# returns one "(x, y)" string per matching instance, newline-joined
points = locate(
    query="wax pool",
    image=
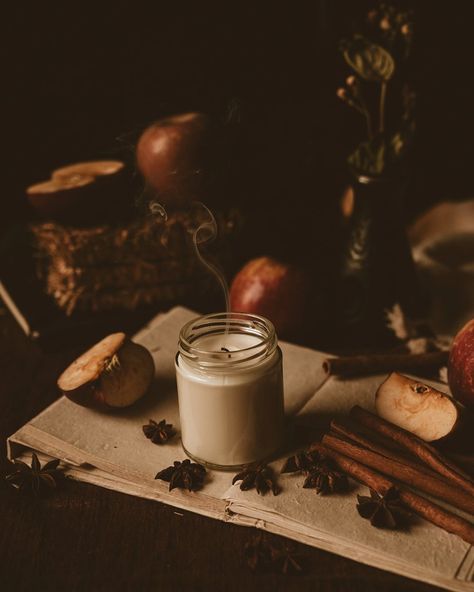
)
(231, 415)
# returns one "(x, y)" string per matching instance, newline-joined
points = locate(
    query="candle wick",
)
(224, 349)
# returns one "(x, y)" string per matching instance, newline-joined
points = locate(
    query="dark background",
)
(82, 80)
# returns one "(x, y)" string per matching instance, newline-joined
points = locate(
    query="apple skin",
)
(272, 289)
(93, 381)
(461, 365)
(57, 200)
(171, 155)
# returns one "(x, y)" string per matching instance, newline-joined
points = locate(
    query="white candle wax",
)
(233, 415)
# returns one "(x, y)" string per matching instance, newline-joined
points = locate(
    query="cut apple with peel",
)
(93, 168)
(418, 408)
(59, 184)
(82, 194)
(57, 197)
(113, 373)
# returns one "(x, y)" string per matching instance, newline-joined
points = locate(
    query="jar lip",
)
(231, 323)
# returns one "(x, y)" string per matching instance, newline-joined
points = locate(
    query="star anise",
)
(256, 552)
(321, 473)
(183, 475)
(303, 461)
(281, 556)
(259, 476)
(325, 478)
(286, 558)
(35, 478)
(158, 433)
(383, 511)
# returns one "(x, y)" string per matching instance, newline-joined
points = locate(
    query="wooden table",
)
(87, 538)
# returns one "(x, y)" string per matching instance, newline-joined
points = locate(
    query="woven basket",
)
(149, 262)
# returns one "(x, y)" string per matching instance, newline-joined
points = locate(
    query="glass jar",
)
(230, 389)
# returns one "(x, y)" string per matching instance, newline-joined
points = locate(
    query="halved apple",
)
(61, 197)
(113, 373)
(93, 168)
(417, 407)
(82, 193)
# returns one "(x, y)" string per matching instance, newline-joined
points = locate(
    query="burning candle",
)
(230, 389)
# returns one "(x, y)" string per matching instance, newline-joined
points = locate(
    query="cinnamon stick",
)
(416, 503)
(343, 429)
(402, 472)
(364, 365)
(421, 449)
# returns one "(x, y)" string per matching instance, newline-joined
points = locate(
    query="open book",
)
(111, 451)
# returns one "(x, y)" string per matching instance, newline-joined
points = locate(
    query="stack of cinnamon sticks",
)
(381, 455)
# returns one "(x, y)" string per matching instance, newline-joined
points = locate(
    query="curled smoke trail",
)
(157, 210)
(206, 232)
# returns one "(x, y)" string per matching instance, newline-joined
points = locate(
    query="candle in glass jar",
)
(230, 389)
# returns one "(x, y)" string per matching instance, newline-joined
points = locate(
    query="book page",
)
(114, 442)
(109, 449)
(422, 548)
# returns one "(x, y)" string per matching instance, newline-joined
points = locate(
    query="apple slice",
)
(94, 168)
(113, 373)
(56, 197)
(83, 193)
(418, 408)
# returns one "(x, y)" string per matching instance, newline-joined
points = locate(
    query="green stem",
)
(369, 124)
(365, 112)
(362, 109)
(383, 95)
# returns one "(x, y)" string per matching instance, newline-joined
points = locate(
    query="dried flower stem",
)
(366, 113)
(359, 104)
(369, 124)
(383, 96)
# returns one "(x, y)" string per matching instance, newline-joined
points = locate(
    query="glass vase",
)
(377, 269)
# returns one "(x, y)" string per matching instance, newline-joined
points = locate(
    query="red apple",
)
(272, 289)
(461, 365)
(171, 156)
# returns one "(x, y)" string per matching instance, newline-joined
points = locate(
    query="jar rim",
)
(227, 323)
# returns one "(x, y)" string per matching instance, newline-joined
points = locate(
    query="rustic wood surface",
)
(87, 538)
